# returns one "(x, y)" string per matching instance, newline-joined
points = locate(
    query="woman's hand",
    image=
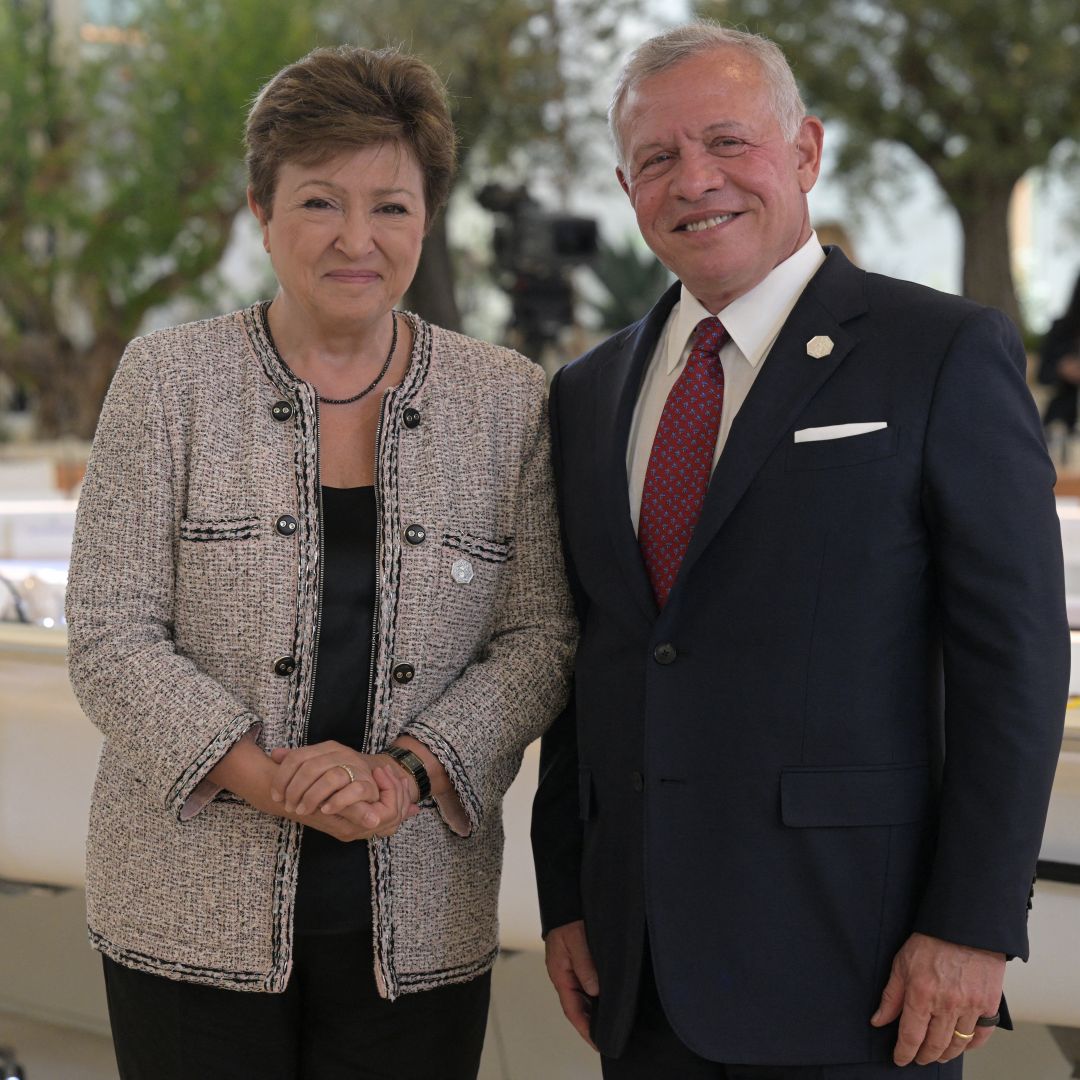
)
(329, 779)
(362, 820)
(246, 770)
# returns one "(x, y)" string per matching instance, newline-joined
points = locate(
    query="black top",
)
(333, 893)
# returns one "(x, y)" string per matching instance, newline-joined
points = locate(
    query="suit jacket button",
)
(285, 666)
(286, 525)
(281, 410)
(410, 418)
(415, 534)
(665, 653)
(404, 674)
(637, 781)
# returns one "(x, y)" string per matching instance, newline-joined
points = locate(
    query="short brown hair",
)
(342, 98)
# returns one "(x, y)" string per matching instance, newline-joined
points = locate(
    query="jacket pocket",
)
(835, 453)
(479, 547)
(240, 528)
(585, 799)
(854, 796)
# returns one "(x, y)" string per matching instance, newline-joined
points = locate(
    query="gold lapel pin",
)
(819, 346)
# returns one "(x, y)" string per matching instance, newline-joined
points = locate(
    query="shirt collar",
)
(754, 319)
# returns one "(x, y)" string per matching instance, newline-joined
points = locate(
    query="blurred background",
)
(952, 159)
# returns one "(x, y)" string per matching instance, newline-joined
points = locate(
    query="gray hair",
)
(673, 46)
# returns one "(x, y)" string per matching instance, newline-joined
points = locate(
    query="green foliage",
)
(980, 90)
(976, 88)
(123, 169)
(519, 71)
(632, 278)
(122, 155)
(166, 142)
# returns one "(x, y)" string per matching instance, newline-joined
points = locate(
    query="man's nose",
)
(355, 237)
(696, 174)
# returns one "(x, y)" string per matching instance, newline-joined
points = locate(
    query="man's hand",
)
(937, 989)
(573, 974)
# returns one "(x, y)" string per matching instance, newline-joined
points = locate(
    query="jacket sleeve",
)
(996, 547)
(507, 696)
(167, 721)
(557, 830)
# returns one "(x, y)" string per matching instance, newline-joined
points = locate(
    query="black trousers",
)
(329, 1024)
(654, 1050)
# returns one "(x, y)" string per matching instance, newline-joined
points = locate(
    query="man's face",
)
(720, 195)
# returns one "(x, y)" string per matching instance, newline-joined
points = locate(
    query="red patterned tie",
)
(681, 460)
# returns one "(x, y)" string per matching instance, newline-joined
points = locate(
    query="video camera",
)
(534, 249)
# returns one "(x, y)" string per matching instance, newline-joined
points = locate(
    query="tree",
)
(123, 175)
(980, 90)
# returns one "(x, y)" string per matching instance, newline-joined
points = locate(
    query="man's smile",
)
(701, 224)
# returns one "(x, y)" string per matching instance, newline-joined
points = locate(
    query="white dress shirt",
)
(753, 323)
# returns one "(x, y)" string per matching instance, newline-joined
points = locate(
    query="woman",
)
(1059, 364)
(317, 607)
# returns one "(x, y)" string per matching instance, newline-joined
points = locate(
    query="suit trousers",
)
(329, 1024)
(655, 1050)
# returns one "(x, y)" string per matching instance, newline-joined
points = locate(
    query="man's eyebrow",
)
(726, 125)
(646, 148)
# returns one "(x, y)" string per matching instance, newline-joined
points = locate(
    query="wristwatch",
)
(414, 766)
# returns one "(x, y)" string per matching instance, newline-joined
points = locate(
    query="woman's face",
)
(344, 237)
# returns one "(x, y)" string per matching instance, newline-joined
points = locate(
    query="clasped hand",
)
(309, 785)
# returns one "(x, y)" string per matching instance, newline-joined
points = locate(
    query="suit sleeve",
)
(996, 543)
(557, 830)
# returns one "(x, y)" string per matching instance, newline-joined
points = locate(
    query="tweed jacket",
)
(194, 619)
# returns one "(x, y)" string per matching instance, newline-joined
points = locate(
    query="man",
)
(789, 825)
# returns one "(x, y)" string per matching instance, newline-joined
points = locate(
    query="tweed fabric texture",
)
(182, 597)
(681, 460)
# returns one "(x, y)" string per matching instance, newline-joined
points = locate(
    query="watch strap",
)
(412, 764)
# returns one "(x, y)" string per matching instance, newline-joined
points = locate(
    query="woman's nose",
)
(355, 237)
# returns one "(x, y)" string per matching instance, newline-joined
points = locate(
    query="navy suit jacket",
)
(853, 731)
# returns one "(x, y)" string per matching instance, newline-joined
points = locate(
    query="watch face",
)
(410, 761)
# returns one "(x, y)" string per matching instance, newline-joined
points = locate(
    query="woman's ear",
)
(261, 217)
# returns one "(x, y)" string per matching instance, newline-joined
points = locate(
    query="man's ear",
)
(621, 177)
(260, 217)
(808, 146)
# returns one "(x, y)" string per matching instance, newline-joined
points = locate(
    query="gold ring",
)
(961, 1035)
(352, 778)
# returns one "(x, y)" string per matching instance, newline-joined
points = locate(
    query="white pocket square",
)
(838, 431)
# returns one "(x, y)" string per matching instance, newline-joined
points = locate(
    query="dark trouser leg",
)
(349, 1033)
(169, 1030)
(869, 1070)
(654, 1050)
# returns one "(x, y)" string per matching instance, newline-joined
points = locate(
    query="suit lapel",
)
(619, 381)
(789, 379)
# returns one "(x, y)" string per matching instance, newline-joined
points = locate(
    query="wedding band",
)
(352, 778)
(961, 1035)
(989, 1021)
